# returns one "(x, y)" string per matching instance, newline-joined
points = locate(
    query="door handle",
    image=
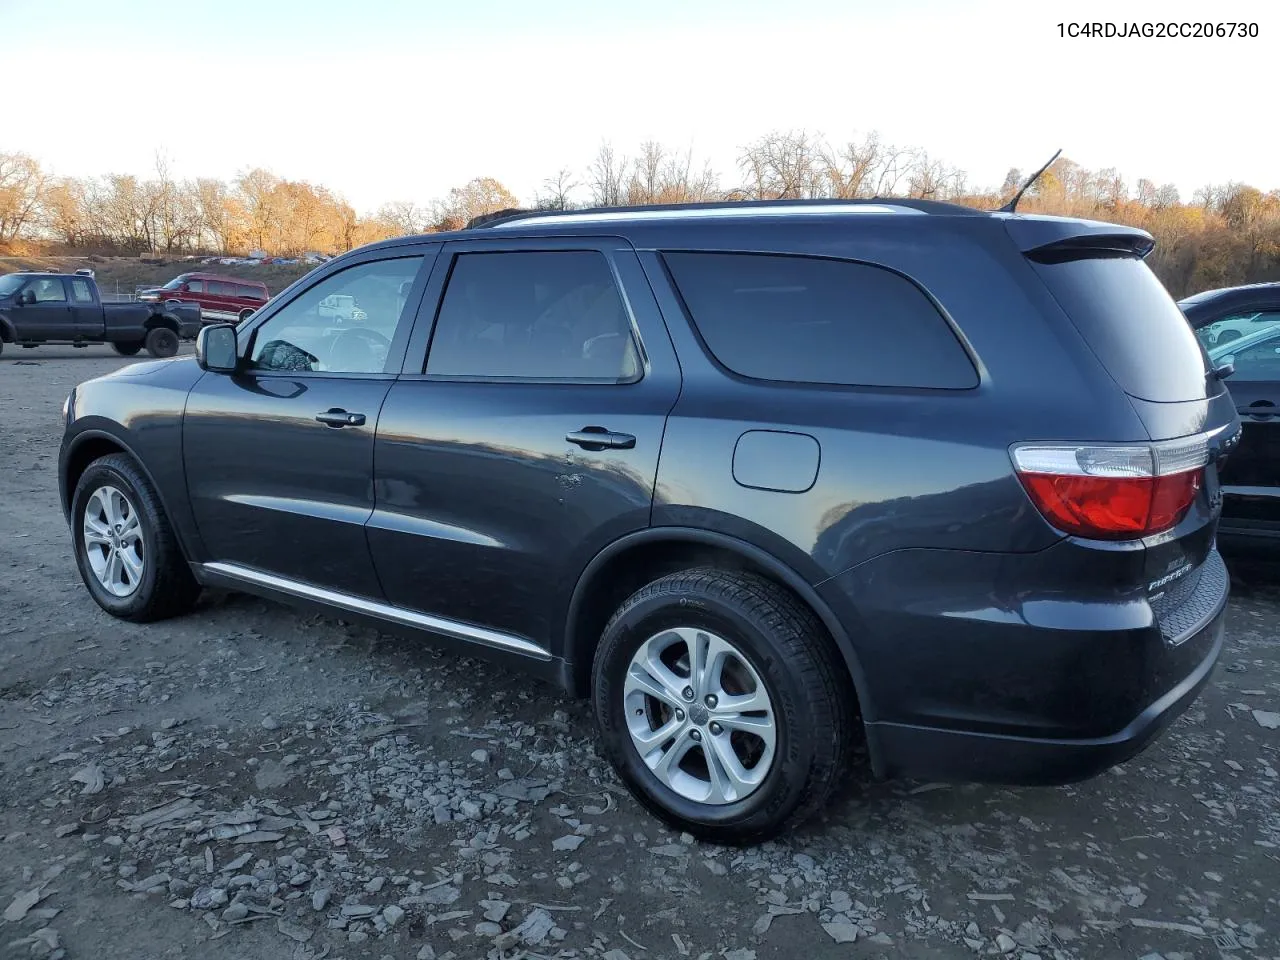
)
(598, 438)
(340, 418)
(1262, 409)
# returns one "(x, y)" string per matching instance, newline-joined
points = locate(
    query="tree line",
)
(1223, 234)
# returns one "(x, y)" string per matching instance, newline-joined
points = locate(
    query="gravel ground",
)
(249, 782)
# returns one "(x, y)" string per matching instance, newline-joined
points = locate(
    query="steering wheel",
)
(367, 343)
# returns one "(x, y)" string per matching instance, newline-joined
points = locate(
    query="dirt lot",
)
(248, 782)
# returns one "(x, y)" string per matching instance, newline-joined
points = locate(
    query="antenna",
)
(1012, 205)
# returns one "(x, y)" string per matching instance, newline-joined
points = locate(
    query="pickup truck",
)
(55, 308)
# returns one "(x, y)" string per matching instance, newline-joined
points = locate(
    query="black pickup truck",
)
(55, 308)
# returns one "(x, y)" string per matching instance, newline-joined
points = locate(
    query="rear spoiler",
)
(1050, 239)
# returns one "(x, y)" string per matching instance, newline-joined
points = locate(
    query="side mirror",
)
(1226, 368)
(216, 348)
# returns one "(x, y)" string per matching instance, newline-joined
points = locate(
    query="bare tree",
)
(557, 191)
(783, 166)
(605, 176)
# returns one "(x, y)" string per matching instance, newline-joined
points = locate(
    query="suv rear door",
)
(525, 439)
(1251, 475)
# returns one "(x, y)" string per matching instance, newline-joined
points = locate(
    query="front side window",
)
(1222, 332)
(195, 286)
(306, 335)
(1255, 357)
(48, 290)
(809, 320)
(80, 291)
(533, 315)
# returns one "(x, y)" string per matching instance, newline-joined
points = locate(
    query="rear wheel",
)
(244, 315)
(126, 550)
(162, 342)
(128, 349)
(723, 705)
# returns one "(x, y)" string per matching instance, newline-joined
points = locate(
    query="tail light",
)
(1113, 492)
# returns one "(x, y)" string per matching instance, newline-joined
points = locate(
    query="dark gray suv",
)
(765, 481)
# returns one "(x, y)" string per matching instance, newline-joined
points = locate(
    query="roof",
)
(661, 224)
(196, 275)
(1244, 291)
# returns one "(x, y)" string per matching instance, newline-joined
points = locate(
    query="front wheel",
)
(723, 705)
(126, 550)
(129, 349)
(162, 342)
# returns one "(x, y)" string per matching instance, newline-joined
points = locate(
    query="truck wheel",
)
(723, 704)
(244, 315)
(162, 342)
(127, 349)
(126, 550)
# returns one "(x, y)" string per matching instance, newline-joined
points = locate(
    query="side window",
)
(49, 290)
(306, 336)
(195, 286)
(248, 293)
(553, 315)
(220, 289)
(808, 320)
(1222, 332)
(80, 292)
(1256, 357)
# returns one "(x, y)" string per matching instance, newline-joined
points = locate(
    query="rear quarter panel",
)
(899, 468)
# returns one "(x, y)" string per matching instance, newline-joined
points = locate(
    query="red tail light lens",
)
(1113, 492)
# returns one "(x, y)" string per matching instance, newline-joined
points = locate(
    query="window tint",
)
(221, 289)
(554, 315)
(195, 286)
(48, 290)
(251, 293)
(306, 335)
(80, 292)
(1131, 324)
(806, 320)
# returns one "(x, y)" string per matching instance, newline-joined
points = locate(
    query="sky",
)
(385, 100)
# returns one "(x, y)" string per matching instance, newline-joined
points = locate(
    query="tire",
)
(770, 633)
(244, 315)
(128, 349)
(165, 586)
(161, 342)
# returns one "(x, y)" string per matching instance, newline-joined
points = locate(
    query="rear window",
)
(1131, 324)
(810, 320)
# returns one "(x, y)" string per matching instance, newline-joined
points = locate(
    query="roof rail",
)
(923, 206)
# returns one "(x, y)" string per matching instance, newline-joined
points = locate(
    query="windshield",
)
(10, 283)
(176, 282)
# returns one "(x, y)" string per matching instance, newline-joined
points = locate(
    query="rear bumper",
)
(1024, 668)
(938, 754)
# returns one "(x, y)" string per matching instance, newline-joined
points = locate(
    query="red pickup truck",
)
(221, 299)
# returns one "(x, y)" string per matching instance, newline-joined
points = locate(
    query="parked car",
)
(38, 309)
(1240, 328)
(761, 480)
(221, 298)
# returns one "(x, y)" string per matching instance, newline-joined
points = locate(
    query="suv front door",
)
(279, 456)
(528, 439)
